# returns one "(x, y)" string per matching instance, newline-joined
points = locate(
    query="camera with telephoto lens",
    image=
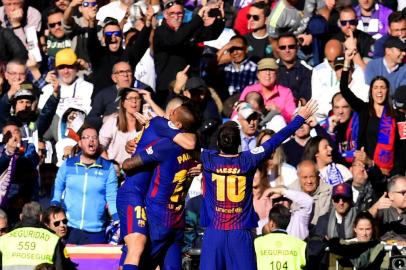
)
(397, 262)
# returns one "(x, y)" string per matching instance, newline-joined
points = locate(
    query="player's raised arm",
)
(303, 114)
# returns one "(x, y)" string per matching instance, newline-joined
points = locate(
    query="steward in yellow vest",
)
(277, 250)
(30, 243)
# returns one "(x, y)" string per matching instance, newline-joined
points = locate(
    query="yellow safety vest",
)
(26, 247)
(279, 251)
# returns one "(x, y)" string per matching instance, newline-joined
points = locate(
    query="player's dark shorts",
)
(165, 246)
(131, 211)
(231, 250)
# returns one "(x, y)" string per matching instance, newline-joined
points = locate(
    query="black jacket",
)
(174, 50)
(103, 104)
(103, 60)
(11, 46)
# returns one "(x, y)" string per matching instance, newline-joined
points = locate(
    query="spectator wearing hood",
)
(102, 58)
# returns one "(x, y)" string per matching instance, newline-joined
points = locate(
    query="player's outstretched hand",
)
(308, 110)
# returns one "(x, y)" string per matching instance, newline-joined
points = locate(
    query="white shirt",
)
(77, 95)
(113, 10)
(288, 173)
(325, 85)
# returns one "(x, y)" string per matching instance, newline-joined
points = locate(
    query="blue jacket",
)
(87, 191)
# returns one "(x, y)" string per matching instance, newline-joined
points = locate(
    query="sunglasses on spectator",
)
(58, 222)
(290, 47)
(52, 25)
(113, 33)
(171, 4)
(338, 198)
(89, 4)
(254, 17)
(350, 22)
(3, 230)
(235, 48)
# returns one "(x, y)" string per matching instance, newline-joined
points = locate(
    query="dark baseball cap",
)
(343, 190)
(195, 83)
(395, 42)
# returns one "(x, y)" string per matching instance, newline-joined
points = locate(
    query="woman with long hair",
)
(377, 136)
(123, 126)
(319, 150)
(362, 252)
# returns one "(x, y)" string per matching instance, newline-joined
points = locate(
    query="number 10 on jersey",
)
(230, 186)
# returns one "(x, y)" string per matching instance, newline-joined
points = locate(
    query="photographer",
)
(175, 42)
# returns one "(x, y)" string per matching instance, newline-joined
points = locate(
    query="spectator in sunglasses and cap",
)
(339, 221)
(106, 54)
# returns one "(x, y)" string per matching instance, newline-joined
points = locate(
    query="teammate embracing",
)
(131, 195)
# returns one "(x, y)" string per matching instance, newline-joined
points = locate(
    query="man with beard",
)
(56, 39)
(73, 91)
(89, 183)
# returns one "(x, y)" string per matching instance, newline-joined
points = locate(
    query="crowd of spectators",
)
(81, 79)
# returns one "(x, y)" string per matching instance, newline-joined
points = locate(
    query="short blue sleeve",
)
(157, 152)
(164, 128)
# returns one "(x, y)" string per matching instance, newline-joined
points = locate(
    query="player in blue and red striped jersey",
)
(165, 199)
(131, 195)
(227, 211)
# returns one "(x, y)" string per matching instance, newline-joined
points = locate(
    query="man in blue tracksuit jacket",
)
(87, 183)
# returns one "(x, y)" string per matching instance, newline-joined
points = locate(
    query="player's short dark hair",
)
(188, 116)
(50, 211)
(228, 138)
(280, 215)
